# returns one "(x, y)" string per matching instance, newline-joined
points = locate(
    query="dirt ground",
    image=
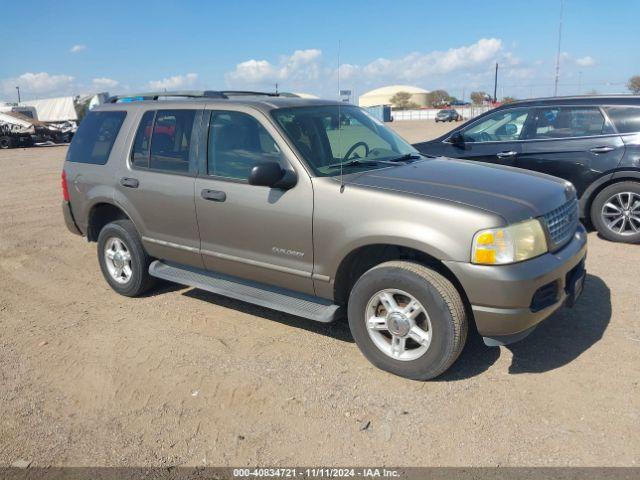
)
(184, 377)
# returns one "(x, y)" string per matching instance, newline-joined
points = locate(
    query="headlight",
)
(515, 243)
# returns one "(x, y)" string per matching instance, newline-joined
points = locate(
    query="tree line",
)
(441, 98)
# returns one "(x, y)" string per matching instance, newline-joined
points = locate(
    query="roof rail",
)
(222, 94)
(248, 93)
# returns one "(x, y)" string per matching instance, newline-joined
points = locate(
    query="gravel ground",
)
(184, 377)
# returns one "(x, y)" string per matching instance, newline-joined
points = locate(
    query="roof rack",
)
(220, 94)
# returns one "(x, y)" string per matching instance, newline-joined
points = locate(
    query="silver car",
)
(316, 209)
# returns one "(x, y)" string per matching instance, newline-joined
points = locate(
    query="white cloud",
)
(175, 82)
(306, 70)
(104, 83)
(78, 48)
(586, 61)
(38, 84)
(302, 65)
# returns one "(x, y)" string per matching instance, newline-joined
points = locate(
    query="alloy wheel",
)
(621, 213)
(117, 258)
(398, 324)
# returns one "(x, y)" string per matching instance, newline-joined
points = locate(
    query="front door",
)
(493, 139)
(258, 233)
(574, 143)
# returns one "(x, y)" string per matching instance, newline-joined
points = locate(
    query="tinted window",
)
(625, 119)
(94, 139)
(140, 151)
(502, 126)
(327, 136)
(566, 122)
(237, 142)
(171, 140)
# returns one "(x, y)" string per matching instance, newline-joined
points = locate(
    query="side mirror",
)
(456, 138)
(271, 174)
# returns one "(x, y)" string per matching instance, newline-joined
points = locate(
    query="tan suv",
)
(316, 209)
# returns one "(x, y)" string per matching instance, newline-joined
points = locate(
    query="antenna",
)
(339, 123)
(555, 90)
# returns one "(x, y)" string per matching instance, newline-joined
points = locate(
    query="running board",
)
(275, 298)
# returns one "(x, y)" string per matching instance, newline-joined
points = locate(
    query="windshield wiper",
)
(358, 161)
(405, 157)
(373, 161)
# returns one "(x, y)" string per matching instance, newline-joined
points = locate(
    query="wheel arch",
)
(101, 214)
(596, 187)
(365, 257)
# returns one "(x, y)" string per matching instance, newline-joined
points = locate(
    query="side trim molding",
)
(170, 244)
(256, 263)
(246, 261)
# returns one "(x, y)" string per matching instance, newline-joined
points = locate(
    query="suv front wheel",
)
(123, 260)
(615, 212)
(407, 319)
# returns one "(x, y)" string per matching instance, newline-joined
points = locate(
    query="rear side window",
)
(163, 141)
(94, 139)
(568, 122)
(625, 119)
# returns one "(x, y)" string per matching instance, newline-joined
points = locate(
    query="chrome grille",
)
(562, 223)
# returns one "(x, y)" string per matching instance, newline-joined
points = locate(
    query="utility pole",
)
(18, 89)
(276, 88)
(495, 86)
(555, 90)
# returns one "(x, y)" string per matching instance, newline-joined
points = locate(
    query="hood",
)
(512, 193)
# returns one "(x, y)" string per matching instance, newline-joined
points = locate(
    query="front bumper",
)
(504, 299)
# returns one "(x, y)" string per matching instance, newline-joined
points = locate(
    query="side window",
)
(625, 119)
(567, 122)
(504, 126)
(94, 139)
(140, 151)
(237, 142)
(171, 140)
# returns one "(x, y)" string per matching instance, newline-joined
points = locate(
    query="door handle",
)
(129, 182)
(603, 149)
(508, 154)
(213, 195)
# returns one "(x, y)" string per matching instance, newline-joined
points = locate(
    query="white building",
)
(383, 95)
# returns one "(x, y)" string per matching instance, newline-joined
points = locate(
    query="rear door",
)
(494, 139)
(254, 232)
(156, 184)
(571, 142)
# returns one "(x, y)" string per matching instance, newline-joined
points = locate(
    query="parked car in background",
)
(448, 115)
(316, 209)
(592, 141)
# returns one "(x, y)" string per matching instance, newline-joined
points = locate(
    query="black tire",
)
(5, 142)
(442, 302)
(140, 281)
(598, 220)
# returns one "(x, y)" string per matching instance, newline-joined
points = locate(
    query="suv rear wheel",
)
(615, 212)
(407, 319)
(123, 260)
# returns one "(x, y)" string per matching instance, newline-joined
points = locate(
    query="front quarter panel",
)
(361, 216)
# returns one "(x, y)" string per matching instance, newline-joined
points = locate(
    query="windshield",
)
(355, 139)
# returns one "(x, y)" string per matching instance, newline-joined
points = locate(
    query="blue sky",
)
(59, 48)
